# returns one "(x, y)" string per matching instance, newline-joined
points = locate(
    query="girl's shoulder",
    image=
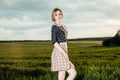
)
(53, 26)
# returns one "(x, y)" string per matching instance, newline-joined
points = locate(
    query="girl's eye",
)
(55, 14)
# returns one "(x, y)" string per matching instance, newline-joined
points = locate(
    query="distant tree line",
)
(89, 39)
(76, 39)
(2, 41)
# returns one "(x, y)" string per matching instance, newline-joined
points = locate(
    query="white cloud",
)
(34, 34)
(99, 22)
(30, 19)
(93, 31)
(31, 34)
(9, 3)
(112, 2)
(25, 21)
(5, 33)
(111, 22)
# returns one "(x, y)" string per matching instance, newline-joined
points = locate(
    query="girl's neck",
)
(58, 23)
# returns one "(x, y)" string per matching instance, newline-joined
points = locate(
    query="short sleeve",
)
(53, 34)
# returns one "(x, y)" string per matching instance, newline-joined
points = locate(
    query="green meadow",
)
(32, 60)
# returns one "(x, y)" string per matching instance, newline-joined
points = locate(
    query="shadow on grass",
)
(80, 72)
(7, 73)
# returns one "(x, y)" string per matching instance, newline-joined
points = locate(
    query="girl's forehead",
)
(56, 12)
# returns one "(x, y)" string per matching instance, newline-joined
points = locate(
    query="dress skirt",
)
(58, 61)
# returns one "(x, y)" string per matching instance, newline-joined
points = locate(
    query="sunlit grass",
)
(32, 61)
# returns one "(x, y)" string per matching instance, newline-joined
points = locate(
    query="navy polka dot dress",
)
(58, 34)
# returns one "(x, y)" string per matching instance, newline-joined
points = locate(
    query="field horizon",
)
(71, 39)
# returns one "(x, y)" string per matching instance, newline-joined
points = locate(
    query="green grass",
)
(31, 61)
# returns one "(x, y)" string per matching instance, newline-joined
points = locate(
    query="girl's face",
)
(58, 16)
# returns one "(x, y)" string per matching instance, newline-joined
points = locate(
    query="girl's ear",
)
(54, 18)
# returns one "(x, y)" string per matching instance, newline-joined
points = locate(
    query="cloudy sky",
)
(31, 19)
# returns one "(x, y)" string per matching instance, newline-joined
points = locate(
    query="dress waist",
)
(63, 43)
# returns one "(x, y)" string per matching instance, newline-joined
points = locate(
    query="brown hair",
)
(54, 10)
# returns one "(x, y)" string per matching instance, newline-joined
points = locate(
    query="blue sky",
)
(31, 19)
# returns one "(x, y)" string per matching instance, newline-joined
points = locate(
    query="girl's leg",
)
(61, 75)
(72, 73)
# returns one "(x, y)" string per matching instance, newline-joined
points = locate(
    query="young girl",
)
(59, 60)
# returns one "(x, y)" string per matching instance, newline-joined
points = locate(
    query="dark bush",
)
(114, 41)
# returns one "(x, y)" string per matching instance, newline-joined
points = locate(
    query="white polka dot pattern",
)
(58, 61)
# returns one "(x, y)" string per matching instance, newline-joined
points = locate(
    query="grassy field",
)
(31, 61)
